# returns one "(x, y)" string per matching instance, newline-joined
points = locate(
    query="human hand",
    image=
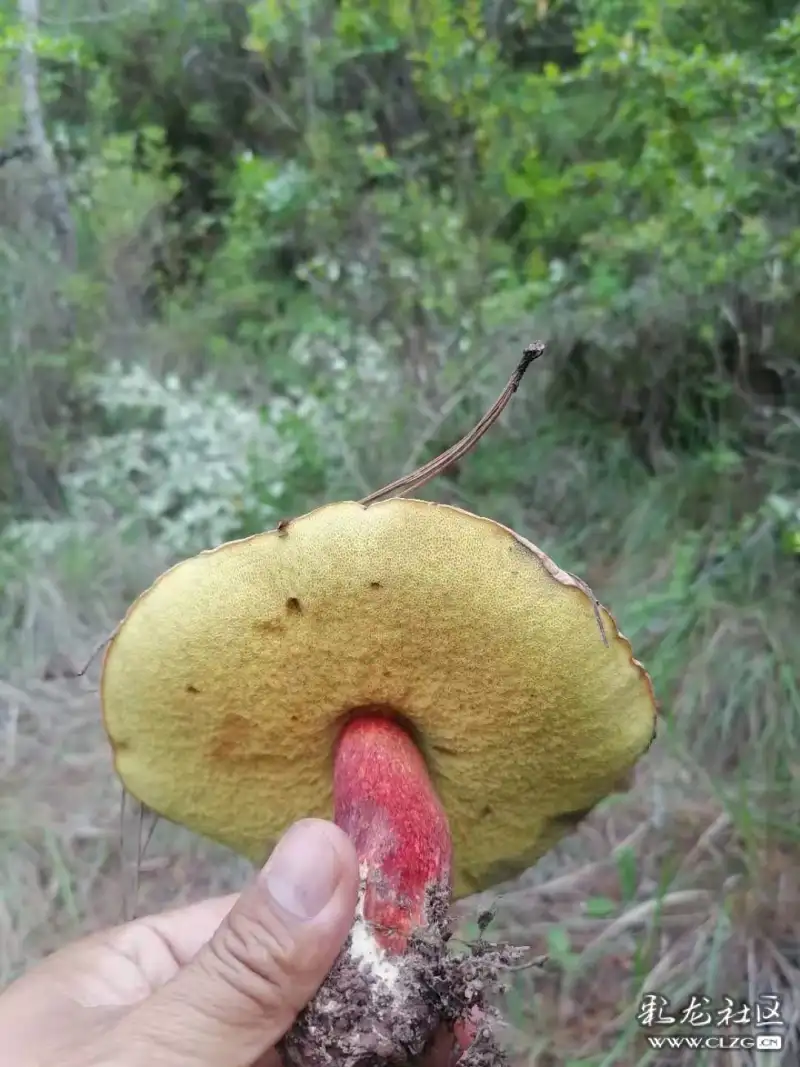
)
(216, 984)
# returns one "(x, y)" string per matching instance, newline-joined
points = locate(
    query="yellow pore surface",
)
(225, 687)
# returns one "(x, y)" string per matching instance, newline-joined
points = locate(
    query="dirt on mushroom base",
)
(442, 987)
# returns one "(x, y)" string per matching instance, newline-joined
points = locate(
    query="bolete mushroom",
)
(425, 676)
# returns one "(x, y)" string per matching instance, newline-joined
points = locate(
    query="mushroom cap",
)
(225, 686)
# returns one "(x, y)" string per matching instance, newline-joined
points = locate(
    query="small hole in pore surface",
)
(293, 606)
(375, 585)
(192, 688)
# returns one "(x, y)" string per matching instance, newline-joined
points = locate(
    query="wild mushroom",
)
(427, 677)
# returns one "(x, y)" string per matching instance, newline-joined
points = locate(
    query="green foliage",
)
(327, 214)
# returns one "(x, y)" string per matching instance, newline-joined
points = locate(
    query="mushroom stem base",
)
(432, 1004)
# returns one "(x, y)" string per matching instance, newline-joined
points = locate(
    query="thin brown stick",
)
(138, 868)
(125, 894)
(596, 606)
(139, 822)
(430, 470)
(536, 963)
(437, 466)
(101, 646)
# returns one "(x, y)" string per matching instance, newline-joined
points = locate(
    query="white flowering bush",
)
(179, 460)
(185, 467)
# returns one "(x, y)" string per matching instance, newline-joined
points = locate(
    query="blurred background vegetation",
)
(259, 255)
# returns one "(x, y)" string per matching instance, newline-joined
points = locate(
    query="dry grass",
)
(658, 894)
(689, 884)
(67, 865)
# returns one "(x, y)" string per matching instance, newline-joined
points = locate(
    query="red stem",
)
(384, 800)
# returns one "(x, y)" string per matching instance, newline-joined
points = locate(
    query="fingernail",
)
(303, 871)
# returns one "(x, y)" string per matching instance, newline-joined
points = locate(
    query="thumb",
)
(244, 989)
